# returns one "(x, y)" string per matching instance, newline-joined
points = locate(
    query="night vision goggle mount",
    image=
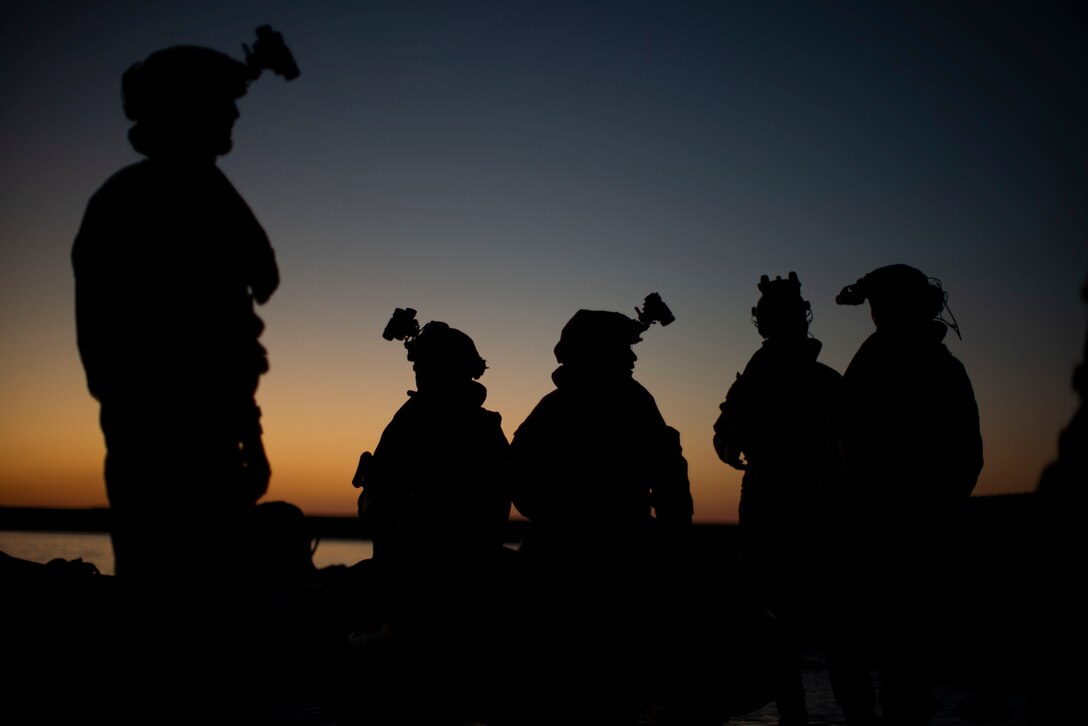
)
(269, 51)
(654, 310)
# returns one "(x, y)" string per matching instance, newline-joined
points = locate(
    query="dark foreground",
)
(79, 649)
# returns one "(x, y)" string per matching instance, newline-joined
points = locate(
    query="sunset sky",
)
(499, 165)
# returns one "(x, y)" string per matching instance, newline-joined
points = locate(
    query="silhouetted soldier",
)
(1058, 549)
(773, 426)
(603, 482)
(169, 262)
(435, 500)
(910, 452)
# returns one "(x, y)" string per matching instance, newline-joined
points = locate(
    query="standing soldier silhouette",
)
(1058, 541)
(909, 453)
(169, 262)
(773, 426)
(603, 482)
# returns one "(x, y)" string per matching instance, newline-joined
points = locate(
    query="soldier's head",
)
(443, 355)
(600, 340)
(781, 312)
(900, 296)
(182, 101)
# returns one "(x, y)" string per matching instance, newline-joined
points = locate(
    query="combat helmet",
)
(181, 75)
(164, 93)
(781, 311)
(595, 337)
(899, 295)
(436, 350)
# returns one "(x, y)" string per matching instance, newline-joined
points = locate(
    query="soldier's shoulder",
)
(490, 418)
(126, 181)
(826, 371)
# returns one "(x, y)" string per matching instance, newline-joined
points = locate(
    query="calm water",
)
(95, 548)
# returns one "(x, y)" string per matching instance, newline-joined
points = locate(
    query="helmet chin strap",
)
(950, 323)
(944, 307)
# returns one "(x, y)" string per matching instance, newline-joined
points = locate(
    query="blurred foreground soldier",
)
(1059, 543)
(909, 454)
(435, 502)
(169, 262)
(773, 426)
(603, 482)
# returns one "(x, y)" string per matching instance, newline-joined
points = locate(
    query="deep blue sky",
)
(500, 165)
